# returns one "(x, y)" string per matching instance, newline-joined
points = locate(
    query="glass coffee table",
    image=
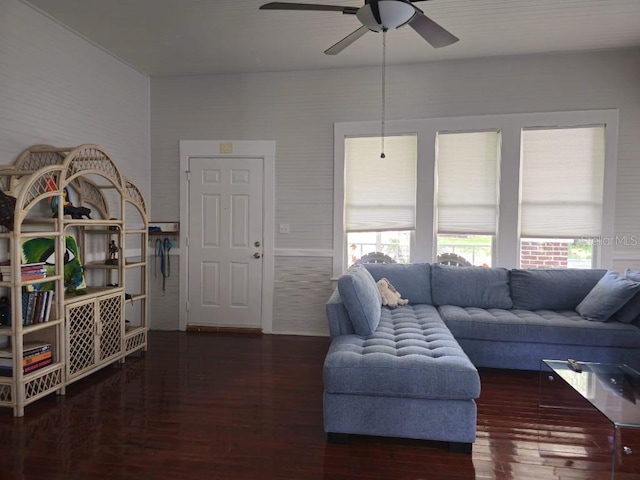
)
(614, 390)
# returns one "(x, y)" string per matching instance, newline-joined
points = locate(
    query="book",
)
(48, 306)
(32, 266)
(30, 271)
(25, 304)
(36, 307)
(8, 362)
(28, 349)
(36, 358)
(8, 371)
(37, 366)
(26, 277)
(41, 306)
(28, 315)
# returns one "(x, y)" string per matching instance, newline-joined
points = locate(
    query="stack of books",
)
(36, 306)
(28, 271)
(32, 271)
(35, 355)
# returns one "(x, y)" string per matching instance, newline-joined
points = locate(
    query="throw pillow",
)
(610, 294)
(630, 310)
(361, 298)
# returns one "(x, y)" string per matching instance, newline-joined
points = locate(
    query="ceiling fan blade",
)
(308, 6)
(346, 41)
(433, 33)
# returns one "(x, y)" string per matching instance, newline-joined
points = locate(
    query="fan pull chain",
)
(384, 69)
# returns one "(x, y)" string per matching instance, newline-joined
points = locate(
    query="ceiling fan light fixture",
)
(393, 14)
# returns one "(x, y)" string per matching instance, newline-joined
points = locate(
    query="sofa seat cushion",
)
(411, 354)
(562, 327)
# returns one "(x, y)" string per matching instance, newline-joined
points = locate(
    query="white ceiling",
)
(177, 37)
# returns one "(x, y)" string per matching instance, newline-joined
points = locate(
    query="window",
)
(380, 196)
(396, 245)
(561, 197)
(465, 249)
(497, 190)
(467, 166)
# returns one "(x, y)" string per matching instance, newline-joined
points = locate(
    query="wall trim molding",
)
(303, 252)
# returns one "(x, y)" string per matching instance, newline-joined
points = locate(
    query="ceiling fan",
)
(377, 16)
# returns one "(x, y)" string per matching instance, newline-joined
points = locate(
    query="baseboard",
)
(254, 332)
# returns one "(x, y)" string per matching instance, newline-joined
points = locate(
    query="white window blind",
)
(380, 193)
(562, 182)
(467, 182)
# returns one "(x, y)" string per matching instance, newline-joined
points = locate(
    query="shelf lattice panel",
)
(136, 341)
(110, 315)
(42, 384)
(81, 338)
(5, 393)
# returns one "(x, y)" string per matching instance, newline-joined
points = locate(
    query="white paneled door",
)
(225, 242)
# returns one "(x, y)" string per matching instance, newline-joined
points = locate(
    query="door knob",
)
(256, 255)
(256, 244)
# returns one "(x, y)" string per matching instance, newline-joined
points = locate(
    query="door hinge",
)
(187, 241)
(188, 172)
(187, 306)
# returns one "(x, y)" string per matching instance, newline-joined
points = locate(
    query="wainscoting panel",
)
(302, 287)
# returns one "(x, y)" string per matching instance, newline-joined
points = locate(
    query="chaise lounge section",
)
(408, 378)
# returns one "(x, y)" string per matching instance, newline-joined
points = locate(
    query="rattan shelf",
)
(86, 328)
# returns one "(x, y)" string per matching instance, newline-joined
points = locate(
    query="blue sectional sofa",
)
(411, 371)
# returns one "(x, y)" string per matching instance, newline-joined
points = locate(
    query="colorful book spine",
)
(7, 371)
(36, 306)
(36, 358)
(37, 366)
(48, 305)
(30, 306)
(30, 351)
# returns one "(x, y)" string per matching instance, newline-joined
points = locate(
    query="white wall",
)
(298, 110)
(58, 89)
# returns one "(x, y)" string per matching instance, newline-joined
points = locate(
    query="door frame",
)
(264, 149)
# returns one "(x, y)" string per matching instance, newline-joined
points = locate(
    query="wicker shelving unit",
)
(108, 321)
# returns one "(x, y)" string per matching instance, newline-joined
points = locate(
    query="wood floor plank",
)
(223, 406)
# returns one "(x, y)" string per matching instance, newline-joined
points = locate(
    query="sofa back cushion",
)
(361, 298)
(412, 281)
(470, 286)
(552, 289)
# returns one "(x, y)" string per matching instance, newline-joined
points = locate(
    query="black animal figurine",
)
(77, 212)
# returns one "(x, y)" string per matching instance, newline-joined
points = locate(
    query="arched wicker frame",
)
(41, 173)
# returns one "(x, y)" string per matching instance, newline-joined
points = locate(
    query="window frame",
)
(507, 239)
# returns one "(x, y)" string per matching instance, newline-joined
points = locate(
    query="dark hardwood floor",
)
(213, 406)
